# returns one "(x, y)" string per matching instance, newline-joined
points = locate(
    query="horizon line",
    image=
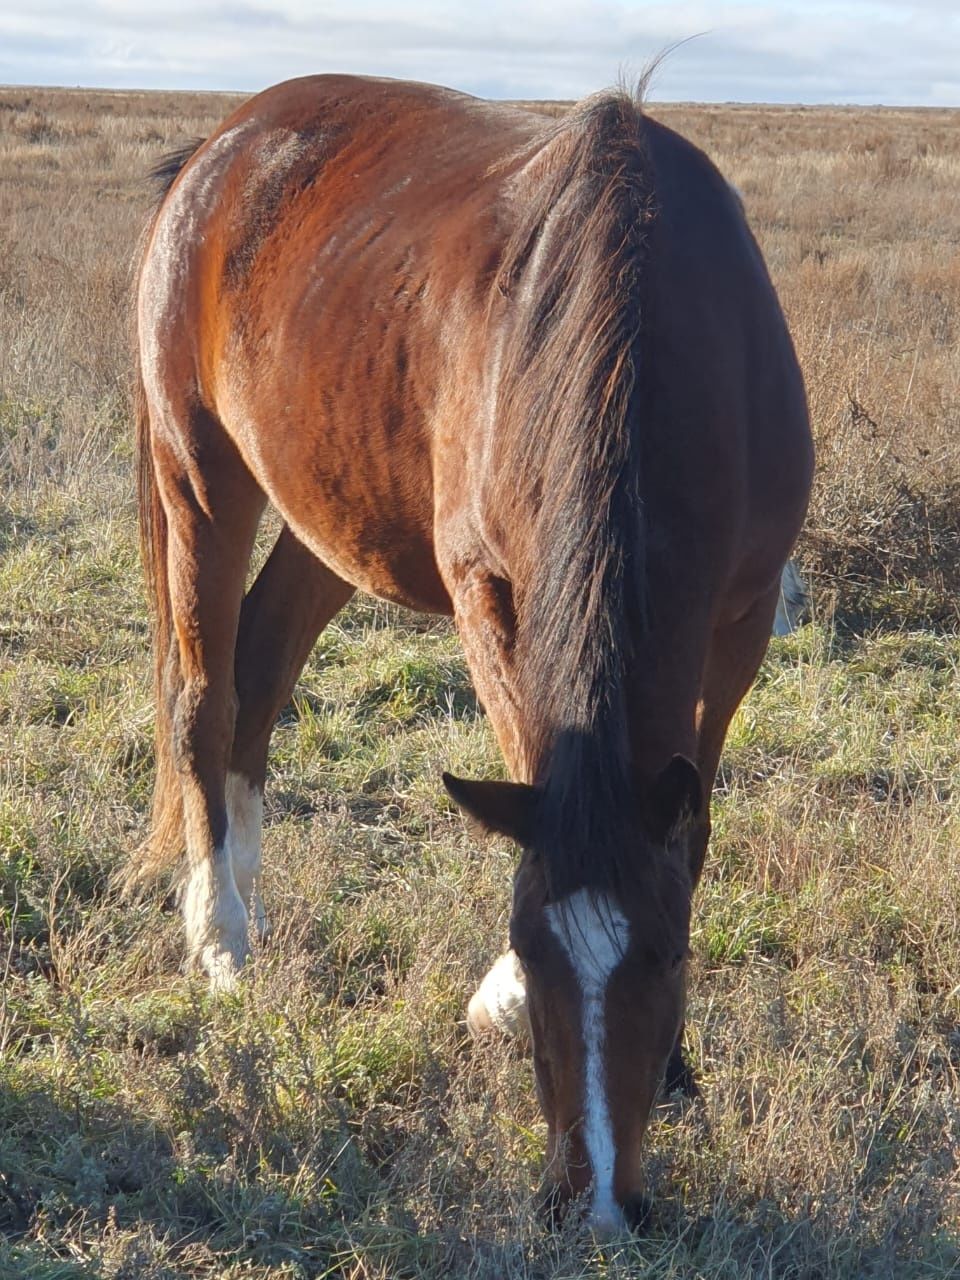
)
(792, 104)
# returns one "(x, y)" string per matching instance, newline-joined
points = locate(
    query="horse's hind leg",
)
(212, 507)
(294, 597)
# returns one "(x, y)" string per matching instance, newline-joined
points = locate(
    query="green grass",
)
(331, 1117)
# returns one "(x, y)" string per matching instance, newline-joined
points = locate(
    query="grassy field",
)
(331, 1118)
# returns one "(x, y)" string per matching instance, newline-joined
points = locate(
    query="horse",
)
(793, 604)
(528, 372)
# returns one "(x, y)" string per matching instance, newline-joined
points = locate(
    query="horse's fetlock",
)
(215, 920)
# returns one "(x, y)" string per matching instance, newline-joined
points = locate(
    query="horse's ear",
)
(499, 808)
(674, 799)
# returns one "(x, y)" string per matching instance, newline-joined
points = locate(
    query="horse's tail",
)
(163, 846)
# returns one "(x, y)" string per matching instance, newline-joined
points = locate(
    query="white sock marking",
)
(595, 936)
(219, 895)
(215, 920)
(501, 999)
(244, 835)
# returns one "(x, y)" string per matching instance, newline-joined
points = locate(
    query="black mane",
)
(568, 402)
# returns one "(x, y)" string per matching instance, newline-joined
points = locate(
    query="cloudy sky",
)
(867, 51)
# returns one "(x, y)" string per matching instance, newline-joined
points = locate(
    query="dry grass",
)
(331, 1118)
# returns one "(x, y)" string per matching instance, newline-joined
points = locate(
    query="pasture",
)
(331, 1117)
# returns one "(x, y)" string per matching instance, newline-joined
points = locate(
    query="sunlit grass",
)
(331, 1118)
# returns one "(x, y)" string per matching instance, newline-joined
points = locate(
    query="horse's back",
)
(326, 158)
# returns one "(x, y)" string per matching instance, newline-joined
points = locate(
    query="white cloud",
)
(793, 50)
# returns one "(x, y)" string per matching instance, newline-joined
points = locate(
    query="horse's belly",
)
(401, 569)
(356, 516)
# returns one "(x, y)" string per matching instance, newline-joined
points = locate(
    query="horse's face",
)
(605, 983)
(605, 1007)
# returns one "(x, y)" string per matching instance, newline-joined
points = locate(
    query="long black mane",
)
(568, 409)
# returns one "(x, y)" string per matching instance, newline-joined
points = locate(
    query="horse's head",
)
(604, 972)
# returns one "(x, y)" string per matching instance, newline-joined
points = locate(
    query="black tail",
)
(164, 845)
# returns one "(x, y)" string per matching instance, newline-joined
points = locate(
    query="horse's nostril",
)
(636, 1213)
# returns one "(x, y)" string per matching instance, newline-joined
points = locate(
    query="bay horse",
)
(528, 372)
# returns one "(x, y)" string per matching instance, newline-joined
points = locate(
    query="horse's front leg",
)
(483, 608)
(733, 659)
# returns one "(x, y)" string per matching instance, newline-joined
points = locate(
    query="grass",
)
(332, 1118)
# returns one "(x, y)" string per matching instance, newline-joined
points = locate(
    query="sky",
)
(848, 51)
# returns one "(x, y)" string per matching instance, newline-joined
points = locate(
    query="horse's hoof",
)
(222, 965)
(500, 1002)
(679, 1078)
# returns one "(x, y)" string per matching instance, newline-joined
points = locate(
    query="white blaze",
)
(595, 936)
